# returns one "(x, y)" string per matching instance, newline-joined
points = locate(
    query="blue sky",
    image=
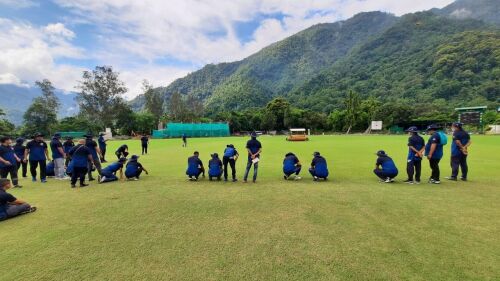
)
(154, 39)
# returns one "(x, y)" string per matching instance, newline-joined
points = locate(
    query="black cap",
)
(134, 157)
(38, 135)
(316, 153)
(412, 129)
(433, 127)
(215, 155)
(381, 153)
(19, 140)
(457, 124)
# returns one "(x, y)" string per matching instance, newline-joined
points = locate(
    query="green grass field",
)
(349, 228)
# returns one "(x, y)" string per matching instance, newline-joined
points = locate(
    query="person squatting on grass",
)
(385, 168)
(291, 165)
(195, 167)
(416, 149)
(108, 174)
(38, 154)
(434, 151)
(8, 161)
(461, 141)
(134, 169)
(215, 167)
(10, 206)
(319, 167)
(230, 157)
(77, 168)
(254, 148)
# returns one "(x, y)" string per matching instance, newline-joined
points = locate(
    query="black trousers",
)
(12, 170)
(144, 149)
(25, 168)
(384, 174)
(434, 163)
(226, 160)
(78, 173)
(103, 152)
(414, 168)
(459, 162)
(43, 168)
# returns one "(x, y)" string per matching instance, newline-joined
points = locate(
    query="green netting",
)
(72, 134)
(175, 130)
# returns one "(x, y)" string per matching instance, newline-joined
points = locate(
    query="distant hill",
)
(16, 99)
(485, 10)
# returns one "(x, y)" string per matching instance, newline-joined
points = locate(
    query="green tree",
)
(101, 96)
(41, 115)
(278, 107)
(352, 104)
(154, 101)
(6, 128)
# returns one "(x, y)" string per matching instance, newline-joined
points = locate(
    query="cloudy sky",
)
(158, 40)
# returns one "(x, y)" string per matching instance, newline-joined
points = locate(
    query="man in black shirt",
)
(144, 144)
(254, 149)
(10, 206)
(416, 149)
(461, 141)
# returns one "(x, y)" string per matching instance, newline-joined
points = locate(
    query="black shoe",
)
(91, 179)
(408, 182)
(285, 177)
(235, 180)
(463, 179)
(83, 185)
(73, 186)
(18, 186)
(225, 179)
(451, 178)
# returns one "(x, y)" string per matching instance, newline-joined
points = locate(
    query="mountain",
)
(424, 59)
(278, 68)
(15, 100)
(485, 10)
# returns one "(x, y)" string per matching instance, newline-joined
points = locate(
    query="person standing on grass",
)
(385, 168)
(461, 141)
(102, 146)
(38, 156)
(122, 151)
(291, 165)
(215, 167)
(68, 144)
(184, 140)
(58, 155)
(319, 167)
(230, 157)
(195, 167)
(20, 149)
(254, 148)
(8, 161)
(10, 206)
(434, 151)
(96, 155)
(134, 169)
(80, 157)
(108, 174)
(144, 144)
(416, 149)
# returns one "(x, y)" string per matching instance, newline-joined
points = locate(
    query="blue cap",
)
(19, 140)
(134, 157)
(457, 124)
(433, 127)
(412, 129)
(253, 134)
(57, 135)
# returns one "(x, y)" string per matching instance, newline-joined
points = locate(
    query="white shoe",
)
(103, 178)
(297, 178)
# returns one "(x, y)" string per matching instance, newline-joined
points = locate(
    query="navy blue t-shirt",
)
(230, 152)
(132, 168)
(37, 150)
(461, 136)
(320, 166)
(122, 148)
(92, 146)
(387, 164)
(80, 156)
(102, 142)
(113, 168)
(7, 153)
(54, 145)
(19, 149)
(254, 146)
(5, 198)
(214, 167)
(68, 145)
(144, 140)
(438, 153)
(418, 143)
(194, 163)
(289, 163)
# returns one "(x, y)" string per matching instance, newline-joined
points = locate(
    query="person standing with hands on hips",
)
(254, 148)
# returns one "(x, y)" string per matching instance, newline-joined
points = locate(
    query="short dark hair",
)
(196, 153)
(4, 139)
(4, 182)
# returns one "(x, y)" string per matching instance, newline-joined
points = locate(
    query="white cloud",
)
(19, 4)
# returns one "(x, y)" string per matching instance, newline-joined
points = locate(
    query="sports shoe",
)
(285, 177)
(315, 178)
(297, 178)
(33, 179)
(235, 180)
(73, 186)
(84, 185)
(102, 179)
(451, 178)
(432, 181)
(463, 179)
(43, 181)
(18, 186)
(416, 182)
(408, 182)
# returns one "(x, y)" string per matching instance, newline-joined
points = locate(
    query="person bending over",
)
(108, 174)
(291, 165)
(77, 167)
(122, 151)
(385, 168)
(195, 167)
(215, 167)
(319, 167)
(10, 206)
(230, 157)
(134, 169)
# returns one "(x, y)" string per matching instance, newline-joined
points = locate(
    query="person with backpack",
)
(291, 165)
(215, 167)
(461, 141)
(416, 145)
(434, 151)
(230, 157)
(385, 168)
(319, 167)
